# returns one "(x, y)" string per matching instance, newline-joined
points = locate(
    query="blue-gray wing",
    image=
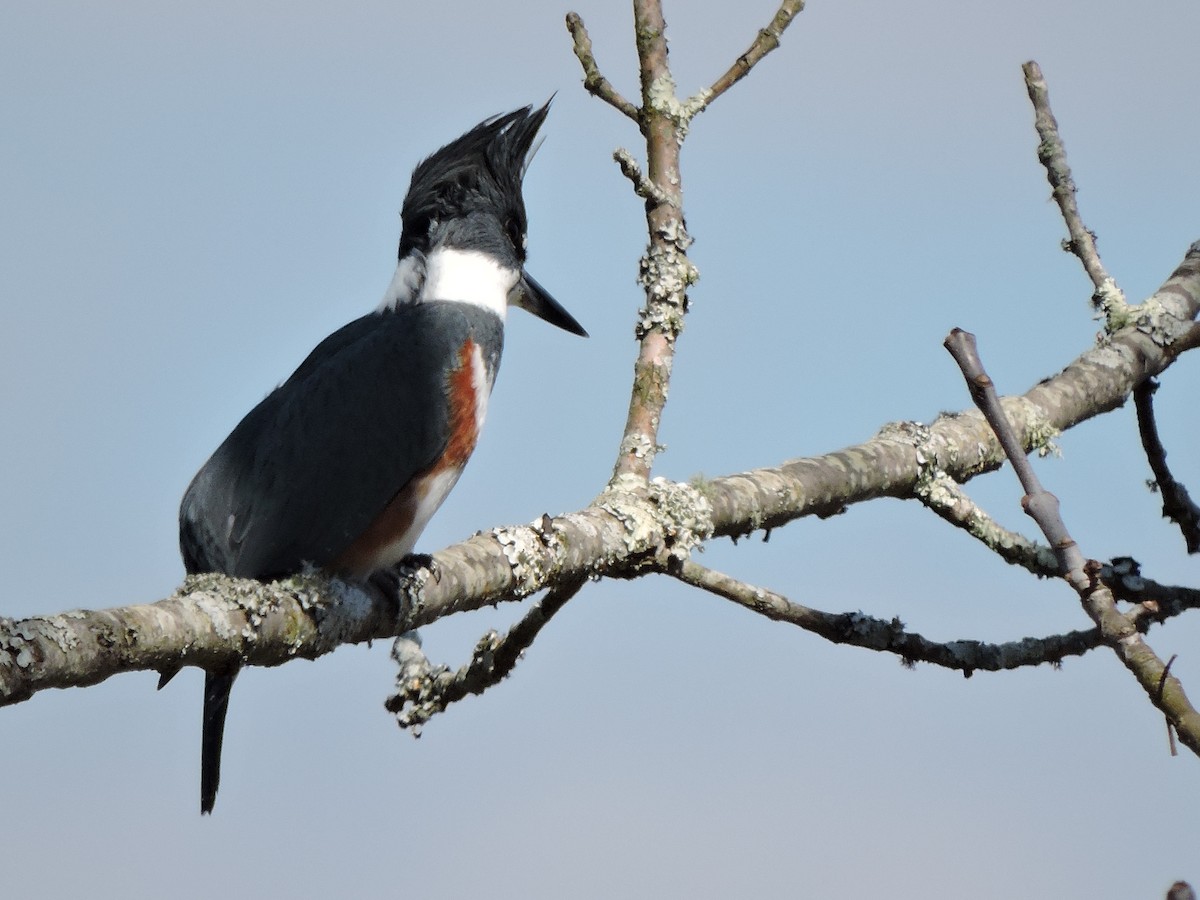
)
(308, 469)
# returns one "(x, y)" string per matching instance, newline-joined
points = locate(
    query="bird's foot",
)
(415, 562)
(391, 581)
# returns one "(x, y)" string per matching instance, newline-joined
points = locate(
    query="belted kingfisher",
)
(341, 467)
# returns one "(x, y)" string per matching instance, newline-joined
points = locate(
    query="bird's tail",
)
(217, 686)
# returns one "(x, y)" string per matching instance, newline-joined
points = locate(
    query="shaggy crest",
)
(480, 171)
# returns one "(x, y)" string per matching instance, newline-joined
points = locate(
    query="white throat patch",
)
(463, 276)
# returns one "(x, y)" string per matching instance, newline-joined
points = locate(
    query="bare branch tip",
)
(593, 81)
(1081, 241)
(766, 41)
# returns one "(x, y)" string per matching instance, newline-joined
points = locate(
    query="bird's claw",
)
(414, 562)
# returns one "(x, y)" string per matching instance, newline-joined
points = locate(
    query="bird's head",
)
(464, 211)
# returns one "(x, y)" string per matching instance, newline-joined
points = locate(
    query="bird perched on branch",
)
(342, 466)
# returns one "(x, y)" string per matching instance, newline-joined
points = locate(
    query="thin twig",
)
(1120, 631)
(766, 41)
(946, 498)
(594, 82)
(889, 635)
(1082, 242)
(1177, 504)
(424, 690)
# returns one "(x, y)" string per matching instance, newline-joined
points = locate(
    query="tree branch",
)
(215, 617)
(1082, 242)
(665, 272)
(961, 444)
(966, 656)
(623, 531)
(890, 636)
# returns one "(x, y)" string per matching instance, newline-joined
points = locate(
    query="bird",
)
(340, 468)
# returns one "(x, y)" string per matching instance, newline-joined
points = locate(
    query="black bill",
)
(534, 298)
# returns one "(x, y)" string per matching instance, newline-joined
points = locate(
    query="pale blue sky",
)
(195, 193)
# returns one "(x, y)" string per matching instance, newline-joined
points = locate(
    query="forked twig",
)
(594, 81)
(424, 690)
